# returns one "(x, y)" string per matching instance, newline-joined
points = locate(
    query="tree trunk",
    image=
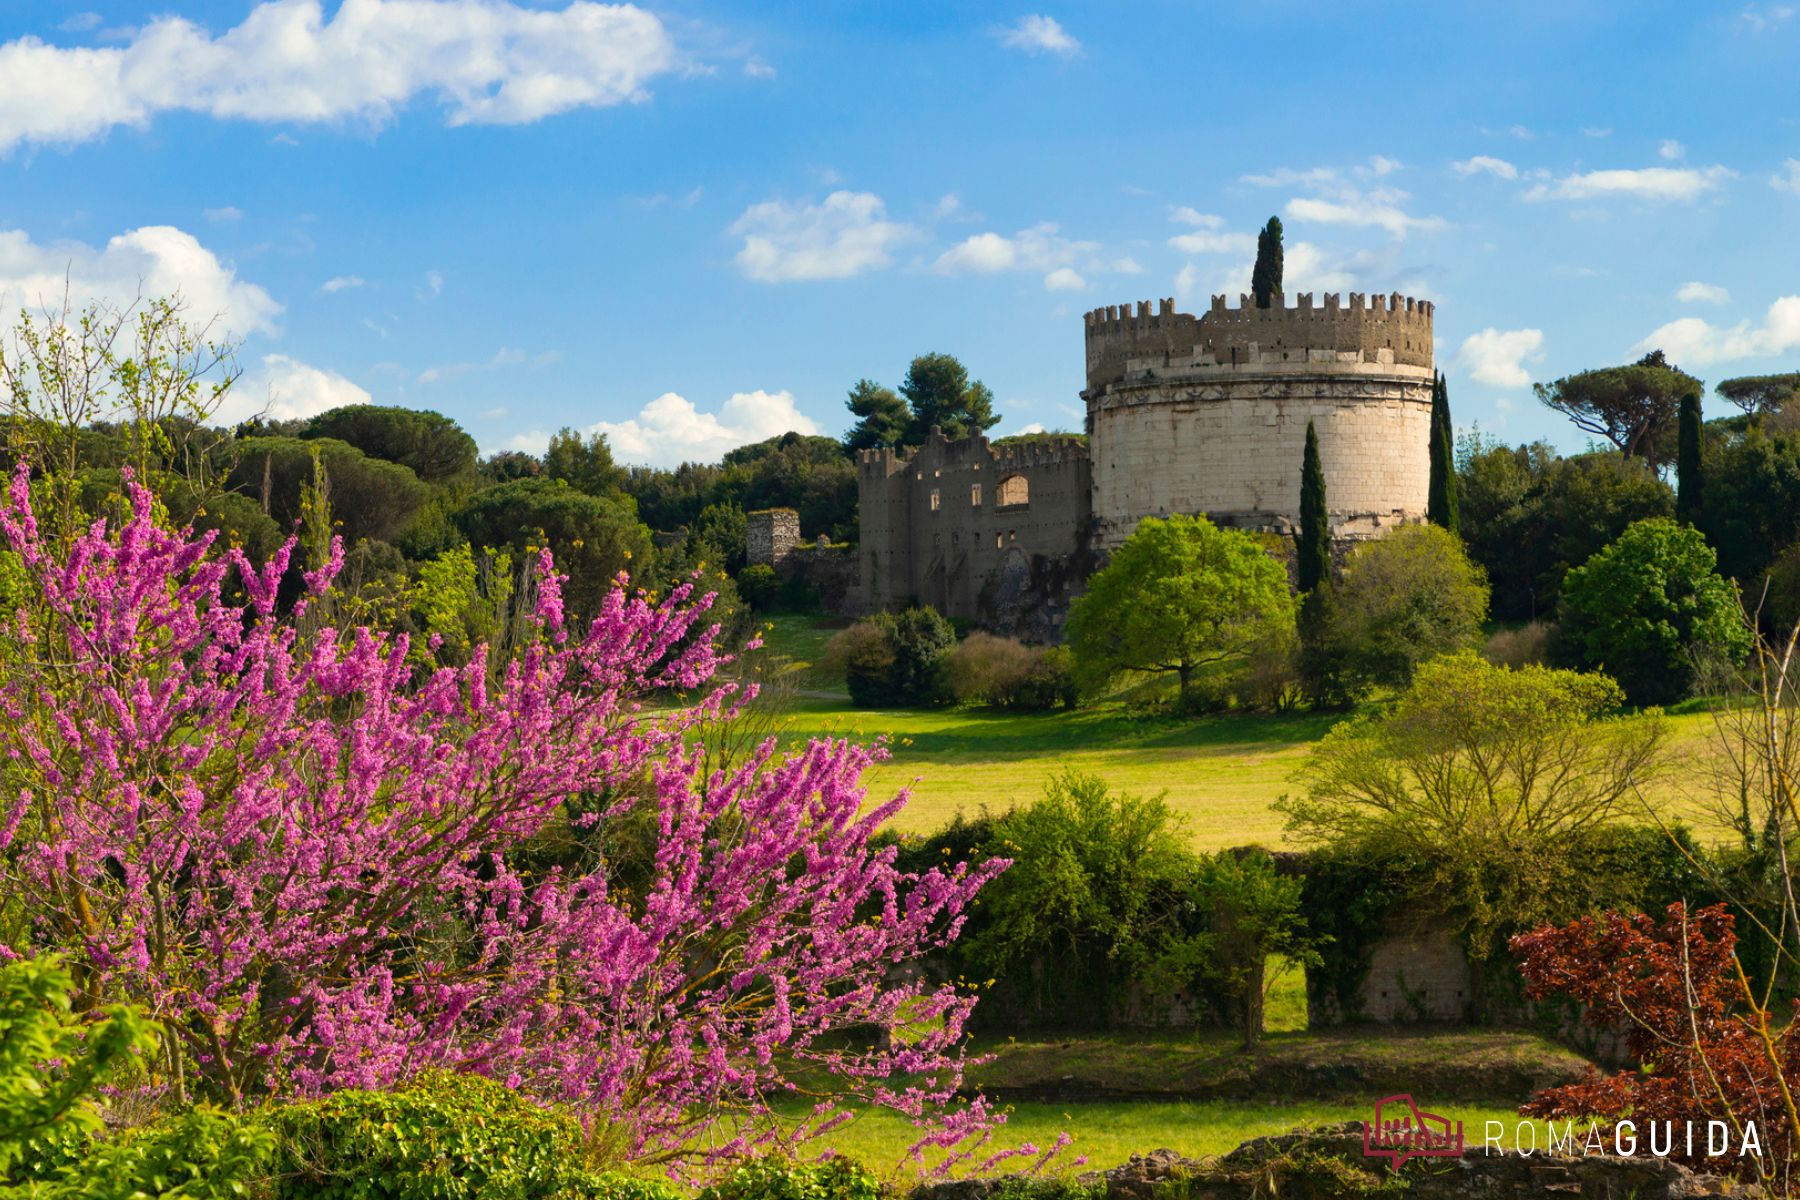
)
(1254, 993)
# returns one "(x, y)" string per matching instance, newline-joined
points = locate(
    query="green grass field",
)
(1221, 773)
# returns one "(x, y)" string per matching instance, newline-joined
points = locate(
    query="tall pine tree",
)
(1315, 541)
(1441, 506)
(1265, 277)
(1690, 469)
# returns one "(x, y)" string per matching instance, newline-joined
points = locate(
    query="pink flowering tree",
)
(307, 859)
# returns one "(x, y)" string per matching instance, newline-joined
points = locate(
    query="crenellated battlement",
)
(1045, 450)
(1356, 328)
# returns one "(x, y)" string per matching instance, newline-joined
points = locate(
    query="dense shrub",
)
(775, 1179)
(759, 586)
(1402, 600)
(1522, 646)
(894, 659)
(1006, 673)
(1644, 608)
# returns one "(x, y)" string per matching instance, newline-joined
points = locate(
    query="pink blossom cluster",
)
(303, 856)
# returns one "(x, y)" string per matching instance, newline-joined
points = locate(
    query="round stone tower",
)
(1208, 414)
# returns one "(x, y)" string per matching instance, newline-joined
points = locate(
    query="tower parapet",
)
(1388, 329)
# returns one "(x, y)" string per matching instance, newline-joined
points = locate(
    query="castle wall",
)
(1209, 415)
(946, 527)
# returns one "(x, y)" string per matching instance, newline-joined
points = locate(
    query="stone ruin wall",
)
(1208, 414)
(1002, 544)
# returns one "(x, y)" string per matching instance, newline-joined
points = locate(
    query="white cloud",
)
(81, 22)
(284, 390)
(1185, 215)
(1291, 177)
(1379, 165)
(670, 430)
(1671, 150)
(1378, 208)
(228, 213)
(1210, 242)
(1498, 356)
(1596, 131)
(154, 261)
(1646, 183)
(1704, 293)
(1497, 167)
(756, 68)
(846, 235)
(1692, 340)
(487, 62)
(1027, 428)
(1040, 248)
(341, 283)
(1305, 268)
(434, 285)
(1064, 279)
(1765, 19)
(1789, 178)
(1038, 34)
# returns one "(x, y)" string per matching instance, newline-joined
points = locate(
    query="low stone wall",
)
(1328, 1164)
(831, 570)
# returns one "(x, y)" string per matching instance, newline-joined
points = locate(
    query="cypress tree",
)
(1441, 504)
(1265, 278)
(1315, 544)
(1690, 471)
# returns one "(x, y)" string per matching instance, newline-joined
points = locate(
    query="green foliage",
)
(894, 659)
(1633, 406)
(372, 497)
(1404, 599)
(775, 1179)
(1690, 464)
(1441, 502)
(1251, 912)
(1315, 521)
(1751, 509)
(443, 1137)
(1759, 394)
(940, 394)
(434, 447)
(1643, 608)
(585, 464)
(717, 537)
(1487, 773)
(201, 1154)
(810, 475)
(1006, 673)
(759, 586)
(881, 416)
(1180, 597)
(1265, 276)
(52, 1063)
(1099, 898)
(593, 538)
(1528, 516)
(464, 600)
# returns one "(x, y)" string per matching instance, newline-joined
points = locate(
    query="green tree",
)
(882, 417)
(584, 463)
(1252, 914)
(593, 538)
(1759, 394)
(1265, 276)
(1644, 607)
(1689, 462)
(1633, 406)
(1492, 776)
(1752, 501)
(941, 394)
(1404, 599)
(895, 659)
(1441, 504)
(373, 498)
(436, 448)
(1180, 597)
(1315, 521)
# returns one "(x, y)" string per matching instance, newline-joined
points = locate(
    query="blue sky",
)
(692, 224)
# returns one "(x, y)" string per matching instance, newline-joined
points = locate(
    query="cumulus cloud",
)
(341, 283)
(1696, 341)
(1305, 268)
(1186, 215)
(284, 389)
(230, 212)
(155, 260)
(1704, 293)
(845, 235)
(1042, 247)
(1671, 150)
(1498, 356)
(1038, 34)
(1207, 241)
(1788, 178)
(1064, 279)
(1379, 208)
(670, 430)
(1680, 184)
(485, 61)
(1483, 163)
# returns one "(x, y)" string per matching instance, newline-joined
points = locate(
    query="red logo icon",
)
(1401, 1131)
